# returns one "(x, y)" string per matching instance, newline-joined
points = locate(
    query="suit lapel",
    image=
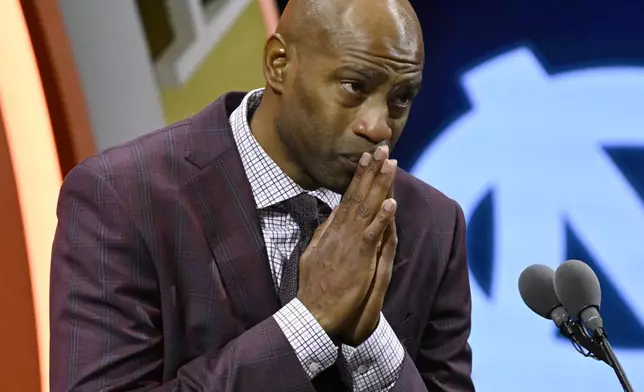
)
(222, 197)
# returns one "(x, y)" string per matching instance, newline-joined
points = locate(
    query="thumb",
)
(386, 260)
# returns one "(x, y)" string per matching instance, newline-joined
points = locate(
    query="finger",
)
(357, 176)
(384, 236)
(391, 243)
(377, 227)
(391, 194)
(380, 187)
(357, 198)
(386, 262)
(384, 270)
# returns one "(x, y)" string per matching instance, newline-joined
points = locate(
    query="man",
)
(193, 259)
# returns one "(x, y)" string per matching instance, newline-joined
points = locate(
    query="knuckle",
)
(358, 173)
(371, 167)
(357, 177)
(346, 198)
(369, 236)
(394, 243)
(381, 182)
(357, 198)
(365, 210)
(344, 203)
(382, 217)
(340, 212)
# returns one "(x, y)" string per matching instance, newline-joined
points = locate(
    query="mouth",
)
(350, 162)
(355, 157)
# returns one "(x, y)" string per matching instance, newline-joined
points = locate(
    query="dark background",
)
(459, 33)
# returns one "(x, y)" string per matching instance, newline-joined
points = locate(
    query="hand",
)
(338, 267)
(368, 316)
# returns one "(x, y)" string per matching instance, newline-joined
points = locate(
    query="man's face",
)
(341, 102)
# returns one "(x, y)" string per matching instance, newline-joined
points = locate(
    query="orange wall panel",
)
(18, 339)
(33, 160)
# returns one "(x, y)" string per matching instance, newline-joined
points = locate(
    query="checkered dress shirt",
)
(372, 366)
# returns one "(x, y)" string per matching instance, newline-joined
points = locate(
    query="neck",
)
(263, 126)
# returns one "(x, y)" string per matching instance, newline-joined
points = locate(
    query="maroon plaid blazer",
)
(160, 279)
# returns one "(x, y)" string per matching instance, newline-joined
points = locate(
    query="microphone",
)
(538, 293)
(577, 286)
(578, 289)
(537, 289)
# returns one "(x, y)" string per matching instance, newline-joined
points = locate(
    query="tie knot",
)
(306, 211)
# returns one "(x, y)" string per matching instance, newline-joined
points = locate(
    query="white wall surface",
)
(116, 71)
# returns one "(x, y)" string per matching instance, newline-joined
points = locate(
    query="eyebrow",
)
(367, 72)
(415, 83)
(371, 73)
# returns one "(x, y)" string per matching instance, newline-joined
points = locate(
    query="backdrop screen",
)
(532, 118)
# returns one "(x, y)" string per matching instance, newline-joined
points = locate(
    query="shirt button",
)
(314, 367)
(362, 369)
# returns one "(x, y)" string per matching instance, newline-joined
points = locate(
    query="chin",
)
(339, 183)
(331, 176)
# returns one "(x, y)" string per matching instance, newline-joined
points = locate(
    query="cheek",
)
(397, 128)
(323, 120)
(325, 125)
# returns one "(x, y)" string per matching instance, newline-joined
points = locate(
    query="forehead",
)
(383, 39)
(401, 55)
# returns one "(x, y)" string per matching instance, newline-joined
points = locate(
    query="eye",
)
(403, 100)
(353, 87)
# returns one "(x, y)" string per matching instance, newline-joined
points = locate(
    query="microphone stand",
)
(619, 371)
(574, 331)
(601, 339)
(598, 347)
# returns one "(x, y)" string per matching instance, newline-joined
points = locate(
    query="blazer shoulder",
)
(144, 153)
(162, 154)
(423, 203)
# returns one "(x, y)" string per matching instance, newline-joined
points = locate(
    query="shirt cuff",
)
(313, 347)
(375, 365)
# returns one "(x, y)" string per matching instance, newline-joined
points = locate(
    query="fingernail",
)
(365, 158)
(381, 152)
(390, 204)
(388, 166)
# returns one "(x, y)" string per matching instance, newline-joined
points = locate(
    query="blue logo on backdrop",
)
(547, 168)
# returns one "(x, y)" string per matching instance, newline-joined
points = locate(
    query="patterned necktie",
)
(306, 212)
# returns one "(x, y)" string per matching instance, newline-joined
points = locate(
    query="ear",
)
(276, 60)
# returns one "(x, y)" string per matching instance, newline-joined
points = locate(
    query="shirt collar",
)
(269, 184)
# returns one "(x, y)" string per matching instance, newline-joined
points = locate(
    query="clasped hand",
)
(346, 269)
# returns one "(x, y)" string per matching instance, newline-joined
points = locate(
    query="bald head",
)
(340, 79)
(323, 25)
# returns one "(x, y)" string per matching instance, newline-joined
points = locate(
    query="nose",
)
(372, 123)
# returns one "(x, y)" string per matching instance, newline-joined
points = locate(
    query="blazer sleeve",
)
(444, 360)
(105, 313)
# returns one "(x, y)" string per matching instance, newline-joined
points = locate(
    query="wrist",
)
(355, 336)
(323, 319)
